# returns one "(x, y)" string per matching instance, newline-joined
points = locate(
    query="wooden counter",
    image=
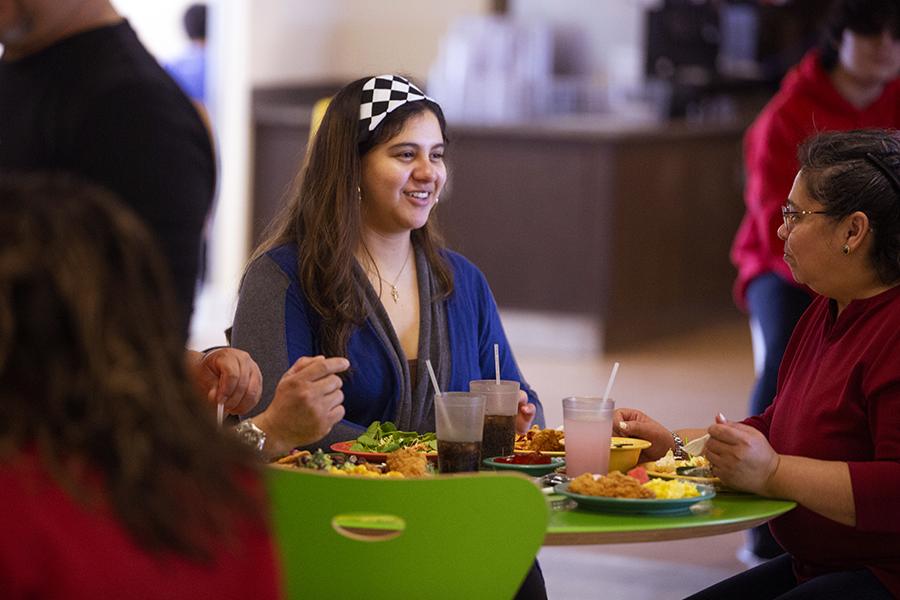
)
(627, 222)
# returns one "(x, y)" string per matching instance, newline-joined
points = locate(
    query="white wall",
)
(158, 24)
(258, 42)
(297, 40)
(615, 31)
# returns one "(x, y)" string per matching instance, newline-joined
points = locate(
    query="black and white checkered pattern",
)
(382, 95)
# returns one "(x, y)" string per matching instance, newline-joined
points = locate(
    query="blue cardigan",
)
(271, 288)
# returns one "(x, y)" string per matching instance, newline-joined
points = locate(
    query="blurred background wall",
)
(614, 129)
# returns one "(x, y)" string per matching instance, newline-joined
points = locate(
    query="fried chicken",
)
(408, 461)
(614, 485)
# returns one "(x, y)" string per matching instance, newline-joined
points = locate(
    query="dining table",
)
(601, 521)
(727, 512)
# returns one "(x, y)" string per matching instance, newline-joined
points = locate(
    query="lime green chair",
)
(454, 537)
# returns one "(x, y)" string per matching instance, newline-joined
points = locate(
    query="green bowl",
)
(532, 470)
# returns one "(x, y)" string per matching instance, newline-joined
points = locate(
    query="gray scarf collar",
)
(415, 407)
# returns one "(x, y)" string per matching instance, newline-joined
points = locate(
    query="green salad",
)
(384, 438)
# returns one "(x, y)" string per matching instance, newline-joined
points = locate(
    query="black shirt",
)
(99, 105)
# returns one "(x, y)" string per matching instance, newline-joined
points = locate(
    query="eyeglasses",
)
(791, 216)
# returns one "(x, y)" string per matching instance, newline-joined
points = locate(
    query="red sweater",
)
(53, 547)
(839, 399)
(807, 103)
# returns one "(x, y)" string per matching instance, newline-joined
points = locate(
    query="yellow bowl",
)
(624, 453)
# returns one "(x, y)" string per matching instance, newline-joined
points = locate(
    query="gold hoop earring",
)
(845, 249)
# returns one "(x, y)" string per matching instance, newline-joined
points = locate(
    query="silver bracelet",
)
(250, 434)
(678, 447)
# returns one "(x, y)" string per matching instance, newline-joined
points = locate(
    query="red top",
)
(807, 103)
(53, 547)
(839, 399)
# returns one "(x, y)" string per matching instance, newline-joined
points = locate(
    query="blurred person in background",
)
(79, 93)
(189, 69)
(830, 441)
(849, 82)
(116, 482)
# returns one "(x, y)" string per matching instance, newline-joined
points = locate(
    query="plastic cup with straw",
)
(501, 404)
(459, 421)
(588, 426)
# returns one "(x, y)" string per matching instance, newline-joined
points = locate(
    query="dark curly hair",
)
(92, 370)
(851, 171)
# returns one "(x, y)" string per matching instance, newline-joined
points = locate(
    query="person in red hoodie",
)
(850, 82)
(115, 480)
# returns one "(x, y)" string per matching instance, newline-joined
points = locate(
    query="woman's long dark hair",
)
(323, 215)
(92, 371)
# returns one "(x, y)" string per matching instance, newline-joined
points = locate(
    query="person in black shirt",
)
(80, 94)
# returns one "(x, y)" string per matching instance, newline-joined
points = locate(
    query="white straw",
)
(612, 379)
(441, 416)
(220, 413)
(437, 389)
(497, 362)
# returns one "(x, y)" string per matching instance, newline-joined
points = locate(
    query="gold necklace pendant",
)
(395, 293)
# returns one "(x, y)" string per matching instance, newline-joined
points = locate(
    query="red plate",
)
(376, 457)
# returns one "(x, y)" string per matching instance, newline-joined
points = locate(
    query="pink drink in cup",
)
(588, 427)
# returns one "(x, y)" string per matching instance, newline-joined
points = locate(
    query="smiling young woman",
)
(355, 268)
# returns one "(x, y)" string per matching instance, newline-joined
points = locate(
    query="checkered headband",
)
(382, 95)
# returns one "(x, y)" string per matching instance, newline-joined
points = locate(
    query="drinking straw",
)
(437, 392)
(437, 388)
(609, 384)
(497, 362)
(220, 413)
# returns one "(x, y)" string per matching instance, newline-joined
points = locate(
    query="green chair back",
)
(462, 536)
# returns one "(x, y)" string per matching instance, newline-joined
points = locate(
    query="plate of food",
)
(696, 469)
(345, 448)
(618, 493)
(550, 442)
(380, 439)
(400, 463)
(534, 464)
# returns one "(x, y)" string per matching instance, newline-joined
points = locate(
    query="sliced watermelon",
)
(639, 473)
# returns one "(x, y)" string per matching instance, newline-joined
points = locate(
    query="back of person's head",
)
(195, 22)
(859, 171)
(863, 17)
(92, 371)
(324, 213)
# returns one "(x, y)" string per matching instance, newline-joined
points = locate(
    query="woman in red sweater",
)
(115, 480)
(849, 83)
(831, 439)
